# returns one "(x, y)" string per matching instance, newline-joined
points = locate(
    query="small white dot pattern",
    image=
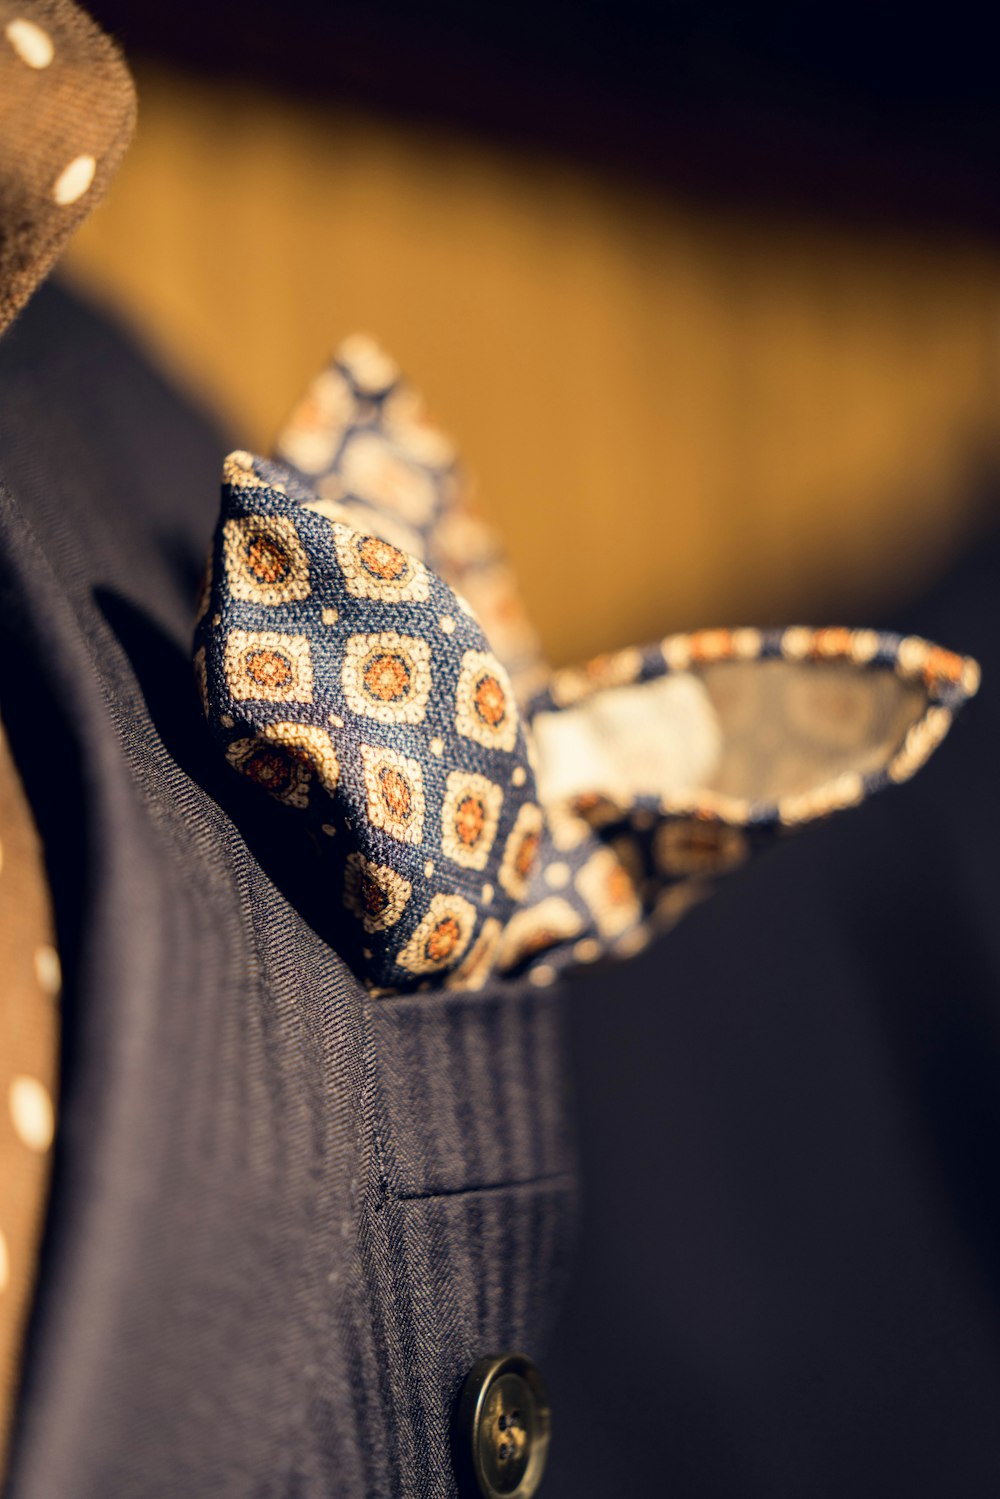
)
(74, 180)
(31, 1112)
(31, 42)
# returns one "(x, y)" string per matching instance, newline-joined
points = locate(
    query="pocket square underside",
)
(476, 812)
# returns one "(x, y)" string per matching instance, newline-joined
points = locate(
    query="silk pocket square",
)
(470, 827)
(661, 770)
(344, 677)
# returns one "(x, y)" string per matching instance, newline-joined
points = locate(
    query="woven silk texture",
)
(362, 655)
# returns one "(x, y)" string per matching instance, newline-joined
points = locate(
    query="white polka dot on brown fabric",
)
(68, 108)
(74, 180)
(31, 1112)
(32, 44)
(47, 969)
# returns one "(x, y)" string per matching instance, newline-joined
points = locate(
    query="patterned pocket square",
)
(478, 812)
(347, 679)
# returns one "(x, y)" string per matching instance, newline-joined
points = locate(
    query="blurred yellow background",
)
(678, 415)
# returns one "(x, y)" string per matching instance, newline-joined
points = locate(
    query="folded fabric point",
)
(481, 814)
(349, 681)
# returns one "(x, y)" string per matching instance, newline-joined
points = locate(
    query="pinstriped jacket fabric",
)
(285, 1220)
(282, 1226)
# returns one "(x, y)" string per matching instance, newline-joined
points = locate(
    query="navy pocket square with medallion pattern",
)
(363, 656)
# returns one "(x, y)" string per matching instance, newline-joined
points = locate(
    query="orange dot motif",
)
(527, 854)
(272, 769)
(268, 562)
(831, 642)
(441, 937)
(694, 846)
(711, 645)
(490, 700)
(942, 666)
(443, 941)
(395, 792)
(269, 666)
(484, 704)
(377, 894)
(285, 759)
(470, 820)
(606, 883)
(374, 899)
(382, 561)
(264, 560)
(619, 888)
(376, 567)
(387, 678)
(268, 669)
(522, 851)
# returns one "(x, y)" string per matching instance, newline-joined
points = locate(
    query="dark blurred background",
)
(859, 108)
(731, 273)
